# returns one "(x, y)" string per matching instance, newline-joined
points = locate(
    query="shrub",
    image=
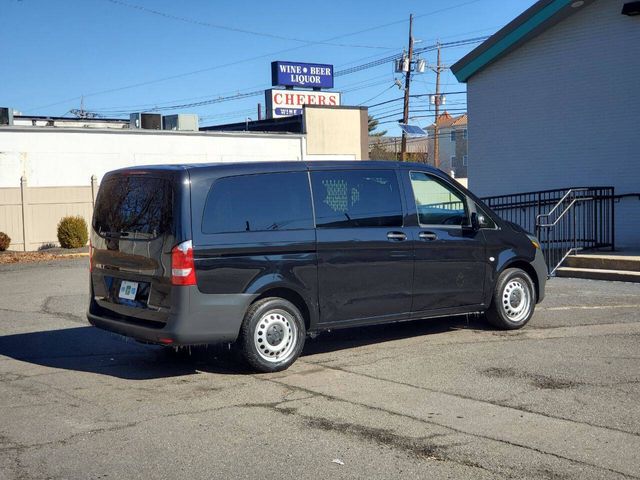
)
(72, 232)
(5, 241)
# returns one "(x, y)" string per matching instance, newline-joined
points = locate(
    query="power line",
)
(142, 106)
(420, 95)
(232, 29)
(391, 58)
(159, 105)
(379, 94)
(249, 59)
(220, 99)
(399, 112)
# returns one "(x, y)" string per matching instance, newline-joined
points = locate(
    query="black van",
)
(264, 254)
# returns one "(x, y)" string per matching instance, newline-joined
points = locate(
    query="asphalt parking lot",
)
(446, 398)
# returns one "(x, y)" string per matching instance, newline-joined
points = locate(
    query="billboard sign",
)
(285, 103)
(296, 74)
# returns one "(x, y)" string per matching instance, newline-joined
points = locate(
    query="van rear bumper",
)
(195, 318)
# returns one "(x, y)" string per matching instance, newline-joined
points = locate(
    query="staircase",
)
(622, 267)
(570, 222)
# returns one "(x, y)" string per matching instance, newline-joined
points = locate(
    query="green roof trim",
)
(474, 64)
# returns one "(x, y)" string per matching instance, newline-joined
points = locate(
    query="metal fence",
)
(564, 220)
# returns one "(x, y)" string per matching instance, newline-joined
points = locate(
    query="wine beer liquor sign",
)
(286, 102)
(307, 75)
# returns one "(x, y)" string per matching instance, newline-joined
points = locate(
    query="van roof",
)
(275, 166)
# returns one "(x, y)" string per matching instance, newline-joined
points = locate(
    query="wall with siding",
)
(11, 216)
(562, 110)
(36, 211)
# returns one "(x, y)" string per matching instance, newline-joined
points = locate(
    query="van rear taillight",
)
(183, 269)
(90, 256)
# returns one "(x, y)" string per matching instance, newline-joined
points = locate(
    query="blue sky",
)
(126, 59)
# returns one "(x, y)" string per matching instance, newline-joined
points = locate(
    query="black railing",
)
(564, 220)
(456, 205)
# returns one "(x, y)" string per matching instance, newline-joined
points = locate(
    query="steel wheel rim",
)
(276, 336)
(516, 300)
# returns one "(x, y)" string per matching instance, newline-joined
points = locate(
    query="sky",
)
(136, 55)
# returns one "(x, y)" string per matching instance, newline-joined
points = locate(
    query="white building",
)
(554, 102)
(47, 172)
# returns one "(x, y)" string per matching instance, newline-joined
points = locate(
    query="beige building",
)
(452, 144)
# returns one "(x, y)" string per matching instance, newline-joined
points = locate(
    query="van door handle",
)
(396, 236)
(428, 236)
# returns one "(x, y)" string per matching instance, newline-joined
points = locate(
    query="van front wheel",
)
(272, 334)
(514, 300)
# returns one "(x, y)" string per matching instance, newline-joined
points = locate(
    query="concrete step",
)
(604, 262)
(599, 274)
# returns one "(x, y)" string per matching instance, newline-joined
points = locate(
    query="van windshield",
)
(134, 206)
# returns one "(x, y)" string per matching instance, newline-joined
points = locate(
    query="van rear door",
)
(136, 223)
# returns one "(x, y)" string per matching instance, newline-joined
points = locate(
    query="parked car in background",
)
(264, 254)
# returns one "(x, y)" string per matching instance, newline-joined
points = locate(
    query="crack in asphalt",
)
(545, 382)
(46, 309)
(465, 397)
(494, 336)
(538, 381)
(417, 447)
(453, 429)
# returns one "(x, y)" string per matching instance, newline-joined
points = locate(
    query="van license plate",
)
(128, 290)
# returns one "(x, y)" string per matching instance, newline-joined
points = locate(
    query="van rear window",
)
(133, 205)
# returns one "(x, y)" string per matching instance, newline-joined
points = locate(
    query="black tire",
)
(514, 300)
(266, 327)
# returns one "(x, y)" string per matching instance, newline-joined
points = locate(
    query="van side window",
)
(356, 198)
(253, 203)
(436, 202)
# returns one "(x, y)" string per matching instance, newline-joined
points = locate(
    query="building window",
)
(465, 161)
(453, 135)
(464, 134)
(453, 161)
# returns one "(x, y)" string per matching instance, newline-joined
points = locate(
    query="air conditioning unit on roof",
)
(184, 122)
(146, 121)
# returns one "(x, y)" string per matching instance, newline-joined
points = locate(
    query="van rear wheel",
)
(272, 334)
(514, 300)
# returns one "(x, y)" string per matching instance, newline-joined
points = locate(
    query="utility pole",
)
(407, 84)
(436, 141)
(81, 112)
